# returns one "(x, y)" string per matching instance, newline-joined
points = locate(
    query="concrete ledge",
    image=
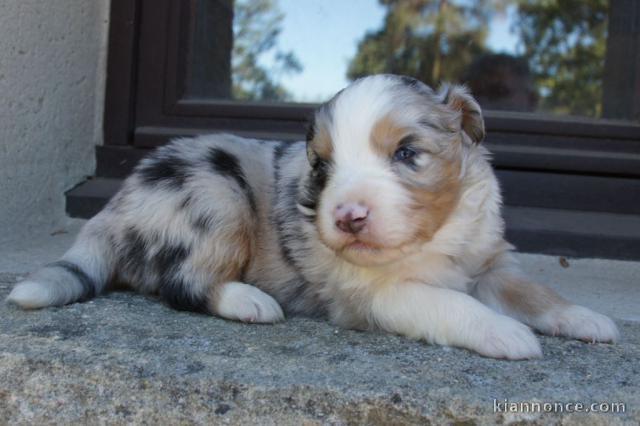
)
(125, 358)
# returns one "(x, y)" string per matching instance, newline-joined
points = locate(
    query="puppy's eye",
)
(319, 168)
(404, 154)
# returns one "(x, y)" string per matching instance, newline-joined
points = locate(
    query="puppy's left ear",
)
(460, 100)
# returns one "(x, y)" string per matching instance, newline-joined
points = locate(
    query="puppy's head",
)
(386, 159)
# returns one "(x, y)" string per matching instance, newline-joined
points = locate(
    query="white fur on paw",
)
(30, 295)
(244, 302)
(504, 337)
(580, 323)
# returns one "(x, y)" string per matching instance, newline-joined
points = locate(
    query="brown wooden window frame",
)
(145, 106)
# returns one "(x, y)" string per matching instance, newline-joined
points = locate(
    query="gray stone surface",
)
(125, 358)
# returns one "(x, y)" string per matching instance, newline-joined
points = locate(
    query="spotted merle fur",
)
(202, 223)
(88, 285)
(410, 81)
(134, 252)
(174, 290)
(228, 165)
(311, 129)
(284, 235)
(186, 202)
(314, 184)
(296, 301)
(278, 153)
(439, 127)
(169, 170)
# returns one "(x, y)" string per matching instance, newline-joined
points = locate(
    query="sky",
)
(324, 35)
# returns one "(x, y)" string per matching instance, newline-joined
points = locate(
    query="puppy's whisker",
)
(307, 211)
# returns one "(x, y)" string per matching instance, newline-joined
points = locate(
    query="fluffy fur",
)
(387, 217)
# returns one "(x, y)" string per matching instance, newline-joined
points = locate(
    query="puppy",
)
(388, 217)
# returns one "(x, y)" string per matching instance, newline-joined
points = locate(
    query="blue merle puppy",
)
(387, 217)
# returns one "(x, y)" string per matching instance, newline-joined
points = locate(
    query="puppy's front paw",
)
(580, 323)
(246, 303)
(503, 337)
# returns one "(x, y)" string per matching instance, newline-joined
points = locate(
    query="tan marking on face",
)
(530, 299)
(433, 204)
(385, 135)
(322, 144)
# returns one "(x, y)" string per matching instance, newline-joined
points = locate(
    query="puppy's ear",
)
(459, 99)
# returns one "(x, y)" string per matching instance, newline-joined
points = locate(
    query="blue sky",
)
(324, 34)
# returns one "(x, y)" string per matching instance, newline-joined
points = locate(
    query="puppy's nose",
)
(351, 218)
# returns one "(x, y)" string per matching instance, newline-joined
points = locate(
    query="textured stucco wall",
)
(52, 69)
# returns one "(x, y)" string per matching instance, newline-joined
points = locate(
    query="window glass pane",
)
(517, 55)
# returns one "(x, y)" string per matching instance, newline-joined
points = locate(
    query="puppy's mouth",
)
(364, 253)
(361, 246)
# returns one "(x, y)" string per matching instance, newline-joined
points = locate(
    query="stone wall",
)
(52, 72)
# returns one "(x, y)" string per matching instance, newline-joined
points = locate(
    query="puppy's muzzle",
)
(351, 218)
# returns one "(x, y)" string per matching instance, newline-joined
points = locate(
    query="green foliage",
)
(256, 27)
(565, 44)
(563, 41)
(432, 40)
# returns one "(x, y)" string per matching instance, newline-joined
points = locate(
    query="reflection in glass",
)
(517, 55)
(257, 25)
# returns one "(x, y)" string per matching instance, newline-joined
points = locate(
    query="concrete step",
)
(127, 359)
(123, 358)
(531, 229)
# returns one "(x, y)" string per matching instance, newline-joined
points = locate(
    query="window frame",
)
(145, 108)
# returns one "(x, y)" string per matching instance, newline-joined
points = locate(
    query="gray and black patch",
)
(200, 223)
(203, 223)
(186, 202)
(141, 260)
(279, 153)
(286, 217)
(133, 251)
(170, 170)
(293, 239)
(228, 165)
(411, 82)
(173, 288)
(300, 298)
(311, 129)
(314, 184)
(297, 295)
(88, 284)
(437, 126)
(414, 84)
(288, 226)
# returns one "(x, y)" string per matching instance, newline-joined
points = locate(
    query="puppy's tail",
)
(80, 275)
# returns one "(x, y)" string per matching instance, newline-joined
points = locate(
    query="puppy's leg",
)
(81, 274)
(246, 303)
(216, 266)
(504, 289)
(449, 317)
